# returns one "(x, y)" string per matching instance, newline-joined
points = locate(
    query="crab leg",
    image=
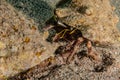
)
(75, 48)
(91, 52)
(58, 35)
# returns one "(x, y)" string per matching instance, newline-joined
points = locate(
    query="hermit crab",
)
(90, 22)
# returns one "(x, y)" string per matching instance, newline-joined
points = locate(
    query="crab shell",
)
(94, 18)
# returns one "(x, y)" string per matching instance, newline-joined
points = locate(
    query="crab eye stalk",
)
(61, 24)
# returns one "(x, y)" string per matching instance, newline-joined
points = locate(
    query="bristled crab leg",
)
(75, 48)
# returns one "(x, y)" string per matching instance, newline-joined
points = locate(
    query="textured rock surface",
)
(79, 69)
(116, 3)
(39, 10)
(95, 18)
(22, 46)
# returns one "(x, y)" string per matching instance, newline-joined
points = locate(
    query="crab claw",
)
(92, 53)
